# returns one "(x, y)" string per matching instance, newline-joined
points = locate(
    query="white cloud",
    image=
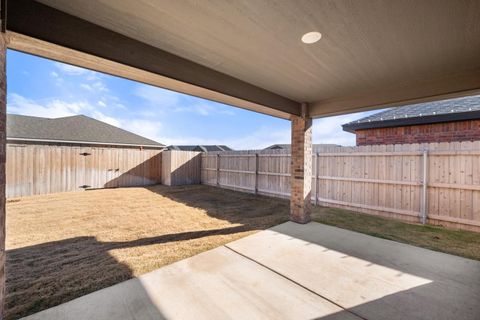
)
(147, 114)
(329, 130)
(147, 128)
(205, 109)
(99, 86)
(325, 130)
(57, 108)
(92, 81)
(260, 139)
(101, 104)
(166, 100)
(96, 87)
(86, 87)
(228, 112)
(158, 97)
(119, 106)
(172, 140)
(71, 70)
(50, 109)
(110, 120)
(58, 80)
(92, 76)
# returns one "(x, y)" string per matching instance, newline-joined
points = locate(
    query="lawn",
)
(457, 242)
(63, 246)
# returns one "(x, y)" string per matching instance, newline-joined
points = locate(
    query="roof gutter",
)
(87, 142)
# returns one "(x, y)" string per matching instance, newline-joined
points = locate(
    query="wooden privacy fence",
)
(438, 183)
(248, 171)
(43, 169)
(180, 167)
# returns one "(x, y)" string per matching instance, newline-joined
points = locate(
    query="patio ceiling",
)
(249, 54)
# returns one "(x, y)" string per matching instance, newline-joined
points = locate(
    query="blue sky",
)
(45, 88)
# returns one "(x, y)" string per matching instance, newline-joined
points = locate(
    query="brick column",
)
(301, 167)
(3, 98)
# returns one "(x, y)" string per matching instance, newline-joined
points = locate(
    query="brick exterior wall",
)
(3, 91)
(301, 169)
(468, 130)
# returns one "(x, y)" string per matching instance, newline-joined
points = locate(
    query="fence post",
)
(316, 179)
(423, 198)
(218, 169)
(256, 173)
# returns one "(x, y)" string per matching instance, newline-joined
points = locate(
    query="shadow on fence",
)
(144, 174)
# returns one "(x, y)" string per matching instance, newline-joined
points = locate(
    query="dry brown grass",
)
(458, 242)
(62, 246)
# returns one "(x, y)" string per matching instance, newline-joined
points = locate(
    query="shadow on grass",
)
(44, 275)
(47, 274)
(232, 206)
(59, 271)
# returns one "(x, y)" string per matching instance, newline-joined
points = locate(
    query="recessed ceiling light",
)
(311, 37)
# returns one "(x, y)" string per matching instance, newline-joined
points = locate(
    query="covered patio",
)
(294, 271)
(250, 55)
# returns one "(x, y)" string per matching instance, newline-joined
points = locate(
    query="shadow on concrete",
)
(449, 288)
(48, 274)
(443, 286)
(411, 304)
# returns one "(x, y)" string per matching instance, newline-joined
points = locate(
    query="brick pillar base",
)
(301, 169)
(3, 98)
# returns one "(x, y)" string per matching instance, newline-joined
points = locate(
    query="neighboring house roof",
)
(200, 148)
(465, 108)
(74, 129)
(288, 146)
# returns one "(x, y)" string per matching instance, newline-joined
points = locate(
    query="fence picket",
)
(384, 180)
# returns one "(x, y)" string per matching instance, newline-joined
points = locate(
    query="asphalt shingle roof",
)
(78, 128)
(288, 146)
(201, 148)
(429, 112)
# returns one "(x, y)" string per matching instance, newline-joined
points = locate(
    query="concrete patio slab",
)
(294, 271)
(217, 284)
(371, 277)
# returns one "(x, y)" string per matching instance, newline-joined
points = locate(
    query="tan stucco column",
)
(301, 167)
(3, 148)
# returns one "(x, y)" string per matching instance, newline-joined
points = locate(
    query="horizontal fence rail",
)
(436, 183)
